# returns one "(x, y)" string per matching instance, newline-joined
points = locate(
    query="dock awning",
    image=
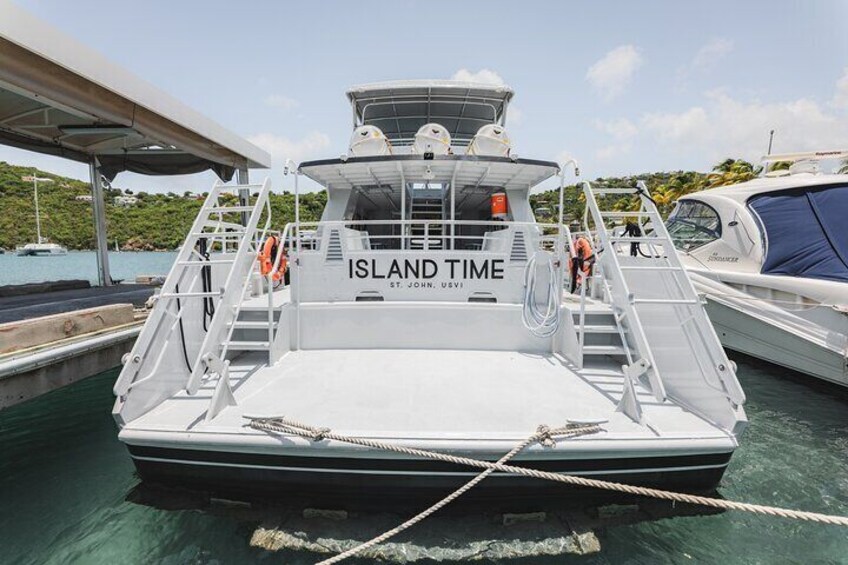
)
(61, 98)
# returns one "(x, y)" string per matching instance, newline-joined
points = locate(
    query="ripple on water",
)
(64, 479)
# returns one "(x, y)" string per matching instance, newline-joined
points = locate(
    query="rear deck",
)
(426, 395)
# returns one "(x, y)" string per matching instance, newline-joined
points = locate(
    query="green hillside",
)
(156, 222)
(160, 221)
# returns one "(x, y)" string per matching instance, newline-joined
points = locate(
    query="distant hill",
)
(160, 221)
(155, 222)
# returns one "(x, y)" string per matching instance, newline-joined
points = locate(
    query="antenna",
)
(771, 139)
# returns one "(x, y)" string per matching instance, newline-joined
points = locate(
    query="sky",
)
(623, 87)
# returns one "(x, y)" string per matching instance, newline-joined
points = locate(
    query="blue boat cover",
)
(806, 232)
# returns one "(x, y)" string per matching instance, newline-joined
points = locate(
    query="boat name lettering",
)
(715, 257)
(427, 269)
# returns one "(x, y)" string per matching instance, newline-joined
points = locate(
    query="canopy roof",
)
(805, 231)
(465, 171)
(400, 108)
(61, 98)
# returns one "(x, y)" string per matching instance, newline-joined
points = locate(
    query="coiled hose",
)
(541, 324)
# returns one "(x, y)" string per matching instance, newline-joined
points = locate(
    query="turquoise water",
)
(82, 265)
(65, 478)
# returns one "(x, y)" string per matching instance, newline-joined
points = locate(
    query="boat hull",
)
(362, 481)
(756, 337)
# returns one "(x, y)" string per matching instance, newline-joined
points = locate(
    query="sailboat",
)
(42, 247)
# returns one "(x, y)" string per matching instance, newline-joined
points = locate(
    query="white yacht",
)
(41, 249)
(425, 309)
(771, 257)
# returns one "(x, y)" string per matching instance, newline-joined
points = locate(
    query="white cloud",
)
(614, 71)
(281, 102)
(725, 126)
(840, 99)
(711, 53)
(514, 116)
(676, 127)
(620, 128)
(484, 76)
(314, 144)
(612, 151)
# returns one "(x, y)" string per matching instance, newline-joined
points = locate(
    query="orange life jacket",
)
(267, 257)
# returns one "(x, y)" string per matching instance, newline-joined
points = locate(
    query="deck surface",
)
(425, 394)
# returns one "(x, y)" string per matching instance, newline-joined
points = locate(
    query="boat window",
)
(693, 224)
(804, 231)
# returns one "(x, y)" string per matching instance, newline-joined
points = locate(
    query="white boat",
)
(41, 249)
(426, 309)
(771, 257)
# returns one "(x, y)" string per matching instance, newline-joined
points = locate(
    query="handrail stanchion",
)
(291, 167)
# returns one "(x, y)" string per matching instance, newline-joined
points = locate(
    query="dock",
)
(57, 333)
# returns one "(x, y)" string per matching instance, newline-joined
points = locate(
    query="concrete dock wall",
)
(34, 373)
(24, 334)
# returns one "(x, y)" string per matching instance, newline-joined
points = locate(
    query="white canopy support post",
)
(242, 178)
(104, 278)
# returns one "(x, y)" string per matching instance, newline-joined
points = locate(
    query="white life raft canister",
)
(369, 141)
(432, 138)
(490, 140)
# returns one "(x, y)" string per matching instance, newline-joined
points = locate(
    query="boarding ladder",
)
(234, 245)
(644, 284)
(427, 213)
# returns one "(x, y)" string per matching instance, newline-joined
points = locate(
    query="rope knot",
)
(319, 433)
(544, 436)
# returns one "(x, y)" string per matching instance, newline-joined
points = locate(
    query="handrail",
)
(710, 341)
(237, 279)
(620, 293)
(145, 339)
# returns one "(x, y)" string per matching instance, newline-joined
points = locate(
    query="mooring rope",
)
(543, 435)
(287, 426)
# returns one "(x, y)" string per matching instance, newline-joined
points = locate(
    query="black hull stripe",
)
(420, 466)
(343, 471)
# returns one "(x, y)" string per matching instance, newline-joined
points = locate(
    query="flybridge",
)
(401, 269)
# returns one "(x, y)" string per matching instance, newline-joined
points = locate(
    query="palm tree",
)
(843, 170)
(733, 171)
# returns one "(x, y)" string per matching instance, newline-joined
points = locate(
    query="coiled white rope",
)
(286, 426)
(540, 324)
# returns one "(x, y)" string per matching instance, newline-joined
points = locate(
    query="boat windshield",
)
(804, 231)
(693, 224)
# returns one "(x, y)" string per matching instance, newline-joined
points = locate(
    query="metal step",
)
(227, 209)
(217, 235)
(205, 262)
(252, 324)
(614, 190)
(603, 350)
(247, 345)
(598, 329)
(626, 239)
(191, 294)
(611, 214)
(663, 301)
(649, 268)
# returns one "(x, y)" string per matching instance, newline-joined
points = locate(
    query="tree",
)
(732, 171)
